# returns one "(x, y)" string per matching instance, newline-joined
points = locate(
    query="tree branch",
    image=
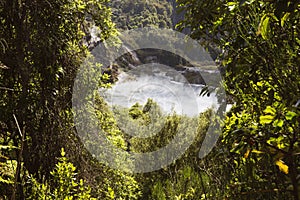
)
(19, 161)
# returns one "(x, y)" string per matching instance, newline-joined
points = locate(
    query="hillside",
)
(130, 14)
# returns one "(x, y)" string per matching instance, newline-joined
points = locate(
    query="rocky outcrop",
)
(131, 60)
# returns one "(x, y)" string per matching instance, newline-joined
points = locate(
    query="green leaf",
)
(5, 181)
(266, 119)
(264, 27)
(290, 115)
(260, 83)
(278, 123)
(63, 153)
(7, 147)
(270, 110)
(257, 152)
(111, 193)
(231, 5)
(284, 18)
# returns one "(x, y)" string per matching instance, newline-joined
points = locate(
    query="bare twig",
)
(18, 126)
(261, 191)
(5, 88)
(2, 66)
(19, 161)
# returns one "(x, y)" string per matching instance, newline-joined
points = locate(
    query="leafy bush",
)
(258, 156)
(65, 184)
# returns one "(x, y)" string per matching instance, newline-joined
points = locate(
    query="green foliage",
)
(135, 111)
(108, 123)
(158, 191)
(7, 170)
(114, 184)
(128, 14)
(182, 179)
(124, 188)
(65, 186)
(260, 43)
(184, 185)
(43, 45)
(7, 166)
(108, 183)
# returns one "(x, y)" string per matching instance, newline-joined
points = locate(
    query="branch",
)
(5, 88)
(19, 161)
(277, 149)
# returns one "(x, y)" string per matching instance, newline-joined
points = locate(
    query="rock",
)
(193, 76)
(133, 59)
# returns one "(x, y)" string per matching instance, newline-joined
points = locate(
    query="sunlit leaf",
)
(282, 167)
(289, 115)
(270, 110)
(5, 181)
(260, 83)
(246, 155)
(264, 27)
(63, 153)
(257, 152)
(7, 147)
(284, 18)
(266, 119)
(278, 123)
(231, 5)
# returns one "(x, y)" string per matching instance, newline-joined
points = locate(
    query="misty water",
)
(166, 86)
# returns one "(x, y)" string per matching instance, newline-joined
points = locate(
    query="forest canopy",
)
(256, 45)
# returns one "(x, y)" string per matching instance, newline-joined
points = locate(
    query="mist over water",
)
(171, 93)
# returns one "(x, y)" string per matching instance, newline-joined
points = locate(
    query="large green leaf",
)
(266, 119)
(270, 110)
(264, 27)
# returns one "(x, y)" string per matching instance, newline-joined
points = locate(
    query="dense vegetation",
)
(261, 48)
(130, 14)
(41, 48)
(42, 45)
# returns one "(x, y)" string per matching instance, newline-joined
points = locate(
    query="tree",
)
(129, 14)
(260, 53)
(42, 45)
